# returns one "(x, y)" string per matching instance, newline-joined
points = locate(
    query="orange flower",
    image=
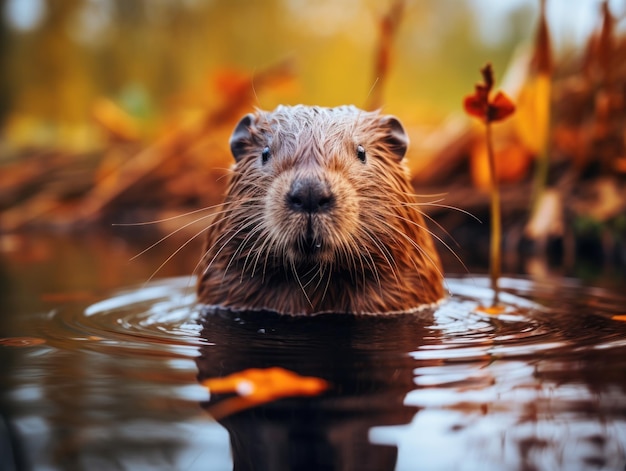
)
(257, 386)
(479, 105)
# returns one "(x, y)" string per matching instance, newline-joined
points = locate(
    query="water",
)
(105, 372)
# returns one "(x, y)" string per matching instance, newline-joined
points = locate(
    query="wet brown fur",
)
(373, 252)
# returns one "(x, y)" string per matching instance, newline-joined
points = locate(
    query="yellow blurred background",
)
(113, 105)
(157, 58)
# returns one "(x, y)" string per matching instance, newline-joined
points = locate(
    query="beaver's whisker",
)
(431, 219)
(204, 255)
(176, 252)
(250, 223)
(295, 274)
(309, 276)
(412, 195)
(316, 274)
(417, 247)
(366, 258)
(328, 278)
(252, 249)
(384, 252)
(207, 251)
(255, 249)
(234, 256)
(176, 231)
(370, 259)
(274, 248)
(227, 173)
(234, 234)
(444, 206)
(440, 227)
(349, 255)
(357, 256)
(258, 250)
(435, 236)
(246, 222)
(171, 218)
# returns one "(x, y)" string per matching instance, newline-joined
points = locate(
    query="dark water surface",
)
(100, 370)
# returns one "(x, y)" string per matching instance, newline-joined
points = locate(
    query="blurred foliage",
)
(156, 57)
(113, 107)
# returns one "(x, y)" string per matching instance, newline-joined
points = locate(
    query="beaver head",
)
(319, 217)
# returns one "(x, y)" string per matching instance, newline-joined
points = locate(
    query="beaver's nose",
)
(309, 195)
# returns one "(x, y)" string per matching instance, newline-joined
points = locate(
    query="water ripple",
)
(164, 316)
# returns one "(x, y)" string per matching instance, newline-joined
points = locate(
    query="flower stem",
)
(496, 223)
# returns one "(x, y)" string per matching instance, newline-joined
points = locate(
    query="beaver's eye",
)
(360, 153)
(265, 155)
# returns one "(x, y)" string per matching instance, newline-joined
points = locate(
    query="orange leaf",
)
(257, 386)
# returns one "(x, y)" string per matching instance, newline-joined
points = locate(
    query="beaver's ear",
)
(395, 136)
(241, 138)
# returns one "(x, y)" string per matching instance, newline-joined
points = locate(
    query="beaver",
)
(319, 217)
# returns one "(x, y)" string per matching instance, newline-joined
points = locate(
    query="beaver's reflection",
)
(364, 358)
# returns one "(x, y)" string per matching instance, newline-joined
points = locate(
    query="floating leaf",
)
(258, 386)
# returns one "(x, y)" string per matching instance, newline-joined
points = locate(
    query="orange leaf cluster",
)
(257, 386)
(479, 104)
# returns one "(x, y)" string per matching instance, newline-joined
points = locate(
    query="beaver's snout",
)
(309, 195)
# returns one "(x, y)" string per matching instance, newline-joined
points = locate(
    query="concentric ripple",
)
(161, 317)
(164, 317)
(536, 319)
